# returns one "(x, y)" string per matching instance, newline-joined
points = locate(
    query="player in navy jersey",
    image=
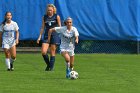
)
(69, 36)
(49, 20)
(9, 40)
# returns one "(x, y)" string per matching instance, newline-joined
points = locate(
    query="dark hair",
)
(5, 18)
(65, 22)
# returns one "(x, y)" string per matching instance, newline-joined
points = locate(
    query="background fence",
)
(91, 46)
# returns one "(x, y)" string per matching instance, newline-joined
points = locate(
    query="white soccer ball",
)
(73, 75)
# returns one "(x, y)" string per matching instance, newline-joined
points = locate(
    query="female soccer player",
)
(50, 20)
(9, 40)
(69, 35)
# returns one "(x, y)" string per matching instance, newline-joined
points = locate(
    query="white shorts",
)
(8, 46)
(70, 52)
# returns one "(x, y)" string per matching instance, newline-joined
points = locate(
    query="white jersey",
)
(67, 37)
(8, 32)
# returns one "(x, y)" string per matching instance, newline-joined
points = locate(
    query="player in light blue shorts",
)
(69, 36)
(9, 38)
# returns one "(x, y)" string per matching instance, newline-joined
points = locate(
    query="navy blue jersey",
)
(50, 22)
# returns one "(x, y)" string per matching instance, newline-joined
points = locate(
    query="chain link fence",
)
(90, 46)
(125, 47)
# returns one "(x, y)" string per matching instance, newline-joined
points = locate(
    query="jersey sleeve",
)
(1, 30)
(16, 27)
(76, 32)
(58, 29)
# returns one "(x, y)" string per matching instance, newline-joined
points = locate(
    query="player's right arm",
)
(0, 38)
(1, 31)
(57, 29)
(41, 31)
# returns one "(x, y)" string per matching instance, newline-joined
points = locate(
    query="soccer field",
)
(98, 73)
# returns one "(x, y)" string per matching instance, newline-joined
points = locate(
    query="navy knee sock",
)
(46, 59)
(52, 61)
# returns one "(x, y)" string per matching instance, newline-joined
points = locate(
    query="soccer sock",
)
(7, 61)
(46, 59)
(52, 61)
(71, 67)
(12, 60)
(67, 65)
(67, 69)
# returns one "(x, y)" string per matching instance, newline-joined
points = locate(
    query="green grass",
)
(98, 73)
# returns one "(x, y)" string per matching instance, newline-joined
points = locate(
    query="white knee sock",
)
(7, 61)
(68, 65)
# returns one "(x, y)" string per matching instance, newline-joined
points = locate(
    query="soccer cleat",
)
(51, 69)
(67, 76)
(8, 69)
(12, 69)
(47, 68)
(71, 69)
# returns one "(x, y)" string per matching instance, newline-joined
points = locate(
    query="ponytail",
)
(4, 21)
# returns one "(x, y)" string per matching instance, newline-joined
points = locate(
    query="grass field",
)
(98, 73)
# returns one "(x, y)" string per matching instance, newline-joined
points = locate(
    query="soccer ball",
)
(73, 75)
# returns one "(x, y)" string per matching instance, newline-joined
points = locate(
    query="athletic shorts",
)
(8, 45)
(55, 39)
(70, 52)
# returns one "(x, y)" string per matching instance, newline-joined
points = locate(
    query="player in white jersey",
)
(69, 36)
(9, 40)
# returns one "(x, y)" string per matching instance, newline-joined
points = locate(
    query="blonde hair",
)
(54, 8)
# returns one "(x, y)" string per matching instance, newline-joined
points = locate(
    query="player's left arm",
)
(0, 38)
(76, 39)
(58, 20)
(1, 32)
(76, 36)
(17, 33)
(17, 37)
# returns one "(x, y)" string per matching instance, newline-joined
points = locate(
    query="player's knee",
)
(53, 47)
(52, 50)
(43, 53)
(67, 59)
(52, 53)
(13, 57)
(7, 53)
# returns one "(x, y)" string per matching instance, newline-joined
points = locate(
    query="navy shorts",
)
(55, 39)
